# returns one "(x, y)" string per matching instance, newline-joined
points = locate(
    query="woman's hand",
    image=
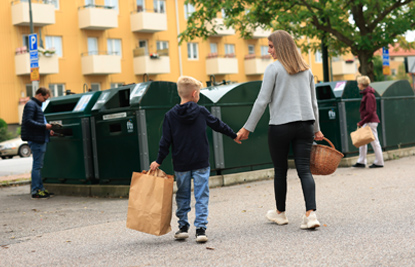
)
(318, 136)
(154, 165)
(242, 134)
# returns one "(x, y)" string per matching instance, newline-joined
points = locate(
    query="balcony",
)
(153, 64)
(344, 67)
(220, 28)
(148, 22)
(47, 64)
(256, 65)
(260, 33)
(216, 65)
(100, 64)
(42, 14)
(94, 17)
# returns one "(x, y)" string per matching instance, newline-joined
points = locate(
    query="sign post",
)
(385, 64)
(34, 62)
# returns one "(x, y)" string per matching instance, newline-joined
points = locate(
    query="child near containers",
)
(184, 129)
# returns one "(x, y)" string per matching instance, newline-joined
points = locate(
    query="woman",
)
(368, 118)
(288, 89)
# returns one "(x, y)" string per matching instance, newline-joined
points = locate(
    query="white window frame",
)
(116, 85)
(113, 3)
(251, 49)
(222, 11)
(98, 85)
(93, 46)
(264, 50)
(192, 51)
(229, 49)
(162, 45)
(159, 6)
(55, 90)
(188, 10)
(114, 47)
(318, 56)
(213, 47)
(89, 2)
(54, 42)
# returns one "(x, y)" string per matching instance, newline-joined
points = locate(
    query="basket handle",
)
(328, 141)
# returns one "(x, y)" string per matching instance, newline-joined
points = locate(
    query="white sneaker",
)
(273, 216)
(310, 222)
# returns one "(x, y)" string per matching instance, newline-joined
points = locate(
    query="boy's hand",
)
(237, 139)
(154, 165)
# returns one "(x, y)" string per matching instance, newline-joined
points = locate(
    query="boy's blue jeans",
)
(38, 154)
(183, 196)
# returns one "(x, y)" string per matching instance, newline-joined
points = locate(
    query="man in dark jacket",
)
(36, 131)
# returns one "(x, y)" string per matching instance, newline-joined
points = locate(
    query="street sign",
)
(385, 63)
(34, 74)
(34, 55)
(34, 64)
(33, 42)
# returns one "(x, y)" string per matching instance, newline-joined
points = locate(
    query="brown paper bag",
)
(362, 136)
(150, 202)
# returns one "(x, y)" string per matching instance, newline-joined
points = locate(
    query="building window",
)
(229, 50)
(251, 49)
(116, 85)
(114, 47)
(29, 91)
(162, 45)
(92, 46)
(213, 47)
(51, 2)
(192, 51)
(159, 6)
(54, 42)
(112, 3)
(393, 72)
(90, 3)
(223, 13)
(57, 89)
(95, 87)
(188, 10)
(318, 56)
(264, 50)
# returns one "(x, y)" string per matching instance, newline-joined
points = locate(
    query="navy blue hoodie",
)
(184, 128)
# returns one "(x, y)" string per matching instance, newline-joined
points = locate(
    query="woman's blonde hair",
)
(186, 85)
(363, 80)
(287, 53)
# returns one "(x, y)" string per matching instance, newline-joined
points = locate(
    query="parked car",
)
(14, 147)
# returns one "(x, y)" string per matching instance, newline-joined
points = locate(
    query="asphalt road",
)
(16, 165)
(367, 218)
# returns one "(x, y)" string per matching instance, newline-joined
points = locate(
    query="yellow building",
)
(100, 44)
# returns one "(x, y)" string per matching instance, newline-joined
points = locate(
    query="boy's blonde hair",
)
(186, 85)
(363, 80)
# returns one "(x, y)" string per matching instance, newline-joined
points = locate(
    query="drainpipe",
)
(178, 31)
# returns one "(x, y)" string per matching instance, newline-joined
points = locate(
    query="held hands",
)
(154, 165)
(318, 136)
(242, 135)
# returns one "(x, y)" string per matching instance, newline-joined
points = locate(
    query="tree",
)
(357, 26)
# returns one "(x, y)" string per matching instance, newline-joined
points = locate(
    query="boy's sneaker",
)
(50, 194)
(40, 195)
(201, 235)
(310, 222)
(273, 216)
(182, 233)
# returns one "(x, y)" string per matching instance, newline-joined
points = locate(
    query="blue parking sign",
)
(33, 42)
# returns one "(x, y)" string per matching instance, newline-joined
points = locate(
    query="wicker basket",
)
(324, 160)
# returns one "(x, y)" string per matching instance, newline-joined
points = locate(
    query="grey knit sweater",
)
(290, 98)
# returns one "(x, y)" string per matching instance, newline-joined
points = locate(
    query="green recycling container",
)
(68, 157)
(232, 104)
(397, 113)
(339, 104)
(127, 127)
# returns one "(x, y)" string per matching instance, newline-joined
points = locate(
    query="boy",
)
(184, 128)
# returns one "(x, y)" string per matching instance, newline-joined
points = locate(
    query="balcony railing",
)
(42, 13)
(344, 67)
(96, 17)
(220, 65)
(221, 30)
(153, 63)
(48, 64)
(255, 65)
(100, 63)
(148, 21)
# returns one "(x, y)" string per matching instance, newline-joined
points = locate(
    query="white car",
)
(14, 147)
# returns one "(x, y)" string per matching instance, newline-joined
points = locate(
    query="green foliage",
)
(361, 27)
(4, 134)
